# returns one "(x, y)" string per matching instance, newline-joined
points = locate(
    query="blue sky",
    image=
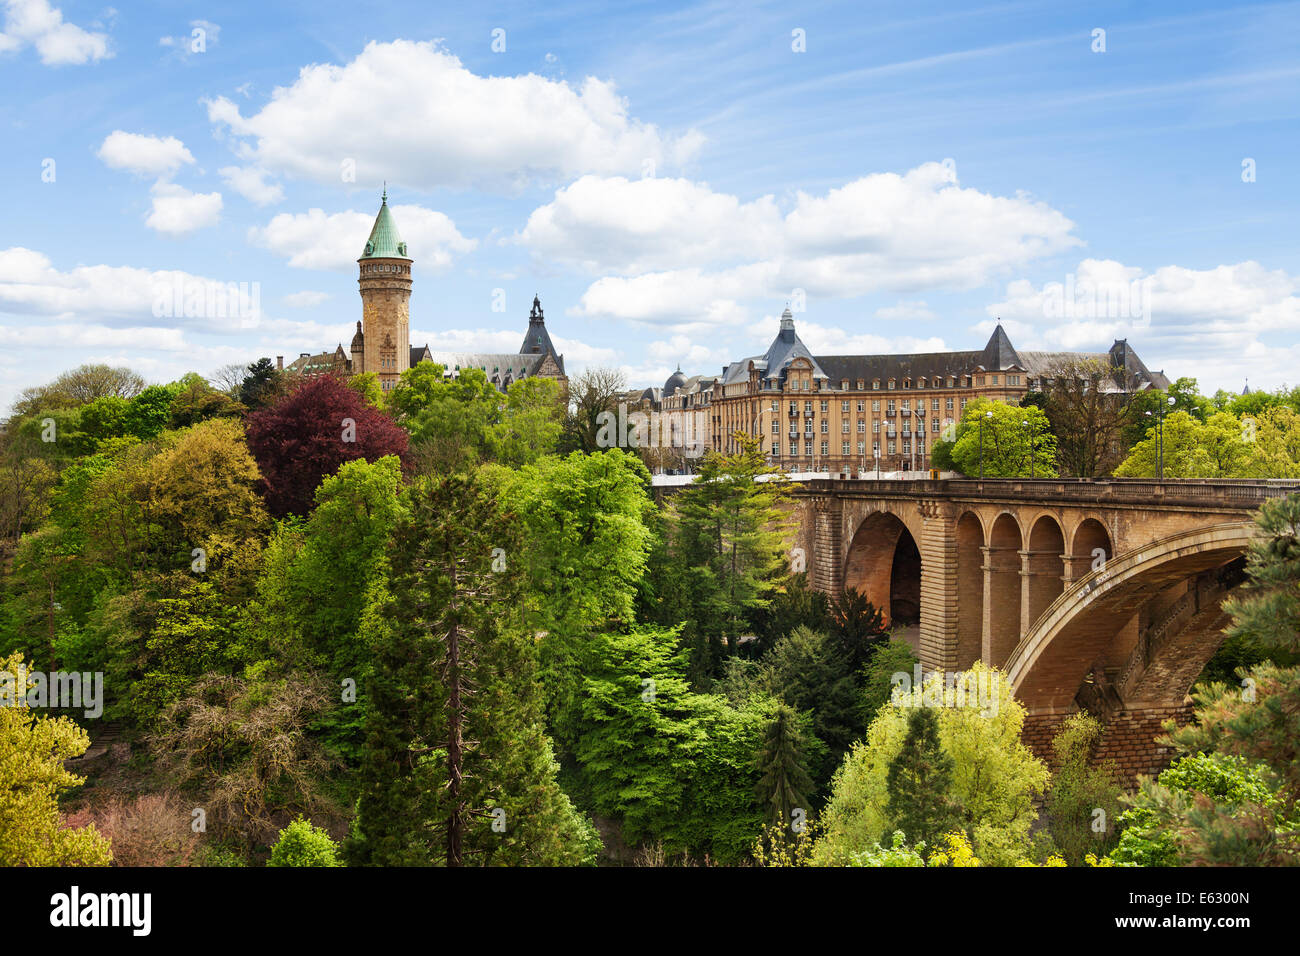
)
(666, 176)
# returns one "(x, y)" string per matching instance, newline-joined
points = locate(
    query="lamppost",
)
(1025, 424)
(876, 449)
(988, 414)
(1160, 436)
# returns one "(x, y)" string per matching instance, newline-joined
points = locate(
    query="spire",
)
(384, 241)
(999, 353)
(536, 340)
(787, 320)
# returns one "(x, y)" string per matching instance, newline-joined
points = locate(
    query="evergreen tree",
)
(260, 385)
(785, 783)
(456, 769)
(920, 781)
(729, 538)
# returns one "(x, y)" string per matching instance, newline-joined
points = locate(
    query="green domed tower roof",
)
(384, 242)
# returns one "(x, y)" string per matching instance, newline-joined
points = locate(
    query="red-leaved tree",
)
(308, 433)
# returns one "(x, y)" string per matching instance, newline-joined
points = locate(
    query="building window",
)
(844, 406)
(875, 385)
(826, 406)
(844, 426)
(776, 451)
(862, 406)
(844, 448)
(875, 405)
(892, 446)
(891, 384)
(807, 448)
(934, 404)
(890, 406)
(875, 427)
(826, 448)
(948, 404)
(995, 379)
(934, 424)
(826, 426)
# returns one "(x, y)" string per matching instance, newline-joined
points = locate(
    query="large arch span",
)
(1052, 661)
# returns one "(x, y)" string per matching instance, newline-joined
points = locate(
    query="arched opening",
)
(884, 564)
(1046, 566)
(1002, 590)
(970, 589)
(1090, 549)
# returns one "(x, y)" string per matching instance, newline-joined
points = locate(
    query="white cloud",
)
(630, 226)
(831, 340)
(410, 112)
(883, 232)
(144, 155)
(903, 311)
(1218, 325)
(250, 182)
(36, 23)
(306, 299)
(316, 240)
(177, 211)
(118, 296)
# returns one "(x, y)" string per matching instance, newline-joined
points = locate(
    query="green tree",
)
(1083, 801)
(450, 418)
(261, 386)
(301, 844)
(995, 778)
(531, 421)
(32, 776)
(456, 768)
(728, 535)
(784, 784)
(582, 555)
(1009, 434)
(919, 781)
(1157, 830)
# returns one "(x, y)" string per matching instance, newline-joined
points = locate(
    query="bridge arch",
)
(1089, 537)
(884, 563)
(1002, 588)
(1044, 566)
(970, 589)
(1049, 665)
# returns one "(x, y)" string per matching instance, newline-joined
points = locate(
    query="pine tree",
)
(785, 783)
(729, 535)
(457, 769)
(919, 781)
(1259, 719)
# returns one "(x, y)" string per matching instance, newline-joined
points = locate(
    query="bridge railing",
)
(1237, 493)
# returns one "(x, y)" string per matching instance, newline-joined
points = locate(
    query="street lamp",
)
(988, 414)
(1025, 424)
(876, 449)
(1160, 436)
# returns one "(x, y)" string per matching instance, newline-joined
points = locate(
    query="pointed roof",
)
(537, 341)
(785, 348)
(384, 241)
(1246, 390)
(999, 354)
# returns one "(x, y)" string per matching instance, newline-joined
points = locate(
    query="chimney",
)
(303, 354)
(279, 362)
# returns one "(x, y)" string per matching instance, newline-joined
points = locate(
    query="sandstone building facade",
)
(855, 414)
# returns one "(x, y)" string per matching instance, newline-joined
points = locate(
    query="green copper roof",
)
(384, 242)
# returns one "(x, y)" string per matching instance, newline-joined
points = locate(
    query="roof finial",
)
(384, 198)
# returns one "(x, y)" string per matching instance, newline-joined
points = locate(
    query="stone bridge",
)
(1101, 594)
